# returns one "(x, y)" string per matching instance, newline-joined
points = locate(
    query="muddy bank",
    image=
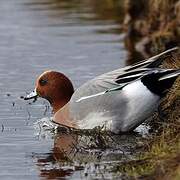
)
(153, 26)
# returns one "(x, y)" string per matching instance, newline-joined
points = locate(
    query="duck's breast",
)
(102, 110)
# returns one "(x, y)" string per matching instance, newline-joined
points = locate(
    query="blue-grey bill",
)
(32, 95)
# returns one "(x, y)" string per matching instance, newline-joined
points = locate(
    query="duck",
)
(118, 101)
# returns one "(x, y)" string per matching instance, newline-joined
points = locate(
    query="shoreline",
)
(151, 27)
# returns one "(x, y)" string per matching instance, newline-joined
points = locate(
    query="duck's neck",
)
(58, 105)
(61, 96)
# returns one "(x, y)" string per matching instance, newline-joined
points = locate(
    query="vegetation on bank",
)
(161, 156)
(152, 26)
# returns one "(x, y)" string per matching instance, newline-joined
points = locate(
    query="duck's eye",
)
(43, 82)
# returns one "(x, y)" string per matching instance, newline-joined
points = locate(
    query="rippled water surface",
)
(79, 38)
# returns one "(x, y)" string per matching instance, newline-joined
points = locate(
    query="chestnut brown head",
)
(53, 86)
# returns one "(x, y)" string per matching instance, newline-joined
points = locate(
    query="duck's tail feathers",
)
(172, 75)
(157, 60)
(154, 61)
(159, 82)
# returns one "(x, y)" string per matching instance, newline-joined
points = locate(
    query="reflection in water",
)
(58, 163)
(83, 9)
(84, 12)
(91, 154)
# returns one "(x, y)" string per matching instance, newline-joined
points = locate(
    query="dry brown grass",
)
(161, 159)
(157, 21)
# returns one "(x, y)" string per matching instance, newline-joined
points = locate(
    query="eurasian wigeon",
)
(118, 101)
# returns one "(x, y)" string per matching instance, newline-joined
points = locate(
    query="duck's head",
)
(53, 86)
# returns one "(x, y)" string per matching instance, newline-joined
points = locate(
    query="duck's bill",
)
(32, 95)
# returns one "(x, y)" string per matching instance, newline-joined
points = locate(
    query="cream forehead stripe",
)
(45, 72)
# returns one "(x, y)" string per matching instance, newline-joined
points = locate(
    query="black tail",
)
(160, 81)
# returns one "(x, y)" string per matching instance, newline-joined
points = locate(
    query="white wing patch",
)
(91, 96)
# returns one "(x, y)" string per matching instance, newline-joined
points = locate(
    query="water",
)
(79, 38)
